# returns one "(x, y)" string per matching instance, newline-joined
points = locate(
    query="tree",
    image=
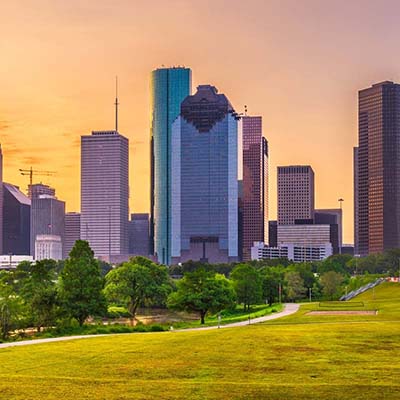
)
(295, 285)
(37, 288)
(136, 282)
(271, 278)
(247, 284)
(202, 291)
(81, 284)
(331, 282)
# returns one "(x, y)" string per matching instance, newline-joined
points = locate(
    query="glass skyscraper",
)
(204, 179)
(169, 86)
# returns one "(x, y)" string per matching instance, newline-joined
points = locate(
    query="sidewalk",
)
(289, 308)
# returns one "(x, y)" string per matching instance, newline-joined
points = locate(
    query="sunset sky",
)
(298, 63)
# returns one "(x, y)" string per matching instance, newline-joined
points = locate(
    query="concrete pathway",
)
(289, 308)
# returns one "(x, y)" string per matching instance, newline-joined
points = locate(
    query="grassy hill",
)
(323, 357)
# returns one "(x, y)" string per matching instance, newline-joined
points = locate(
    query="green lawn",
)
(297, 357)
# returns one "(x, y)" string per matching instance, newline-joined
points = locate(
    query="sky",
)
(298, 63)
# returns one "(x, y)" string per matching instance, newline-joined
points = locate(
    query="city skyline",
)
(48, 103)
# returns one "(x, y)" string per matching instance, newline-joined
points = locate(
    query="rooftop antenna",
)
(116, 103)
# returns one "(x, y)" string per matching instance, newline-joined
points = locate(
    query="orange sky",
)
(299, 64)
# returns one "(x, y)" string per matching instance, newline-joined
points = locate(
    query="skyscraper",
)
(139, 234)
(1, 201)
(72, 231)
(378, 197)
(295, 194)
(255, 185)
(355, 185)
(17, 221)
(105, 192)
(169, 86)
(204, 179)
(47, 217)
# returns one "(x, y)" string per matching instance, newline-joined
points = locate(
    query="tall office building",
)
(204, 179)
(255, 185)
(355, 185)
(378, 186)
(169, 86)
(1, 201)
(72, 232)
(47, 217)
(105, 193)
(295, 194)
(17, 221)
(139, 235)
(37, 189)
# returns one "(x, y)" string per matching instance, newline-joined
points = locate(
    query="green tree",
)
(295, 285)
(202, 291)
(137, 282)
(272, 278)
(330, 282)
(37, 288)
(81, 284)
(247, 284)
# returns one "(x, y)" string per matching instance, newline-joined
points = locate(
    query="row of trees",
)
(41, 294)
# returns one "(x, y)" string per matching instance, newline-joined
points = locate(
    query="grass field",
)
(295, 357)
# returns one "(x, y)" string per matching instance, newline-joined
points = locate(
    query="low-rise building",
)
(48, 247)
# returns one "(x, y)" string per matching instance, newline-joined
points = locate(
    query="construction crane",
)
(31, 172)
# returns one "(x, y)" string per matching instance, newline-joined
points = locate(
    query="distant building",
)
(295, 194)
(139, 234)
(72, 232)
(204, 179)
(105, 192)
(333, 217)
(11, 261)
(169, 87)
(255, 185)
(16, 221)
(47, 217)
(304, 234)
(378, 184)
(37, 189)
(48, 247)
(273, 233)
(355, 185)
(292, 251)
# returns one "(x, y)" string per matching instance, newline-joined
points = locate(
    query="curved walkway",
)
(289, 308)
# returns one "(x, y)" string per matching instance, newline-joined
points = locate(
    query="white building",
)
(11, 261)
(292, 251)
(48, 247)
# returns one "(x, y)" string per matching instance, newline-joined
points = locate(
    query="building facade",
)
(378, 189)
(139, 239)
(105, 192)
(1, 201)
(11, 261)
(254, 205)
(295, 194)
(48, 247)
(72, 232)
(355, 185)
(47, 218)
(38, 189)
(16, 221)
(169, 86)
(204, 179)
(304, 234)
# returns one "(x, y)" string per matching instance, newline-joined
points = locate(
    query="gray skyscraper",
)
(47, 217)
(378, 171)
(17, 221)
(105, 192)
(295, 194)
(169, 86)
(204, 179)
(72, 231)
(139, 234)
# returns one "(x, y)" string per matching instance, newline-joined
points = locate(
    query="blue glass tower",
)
(169, 86)
(204, 180)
